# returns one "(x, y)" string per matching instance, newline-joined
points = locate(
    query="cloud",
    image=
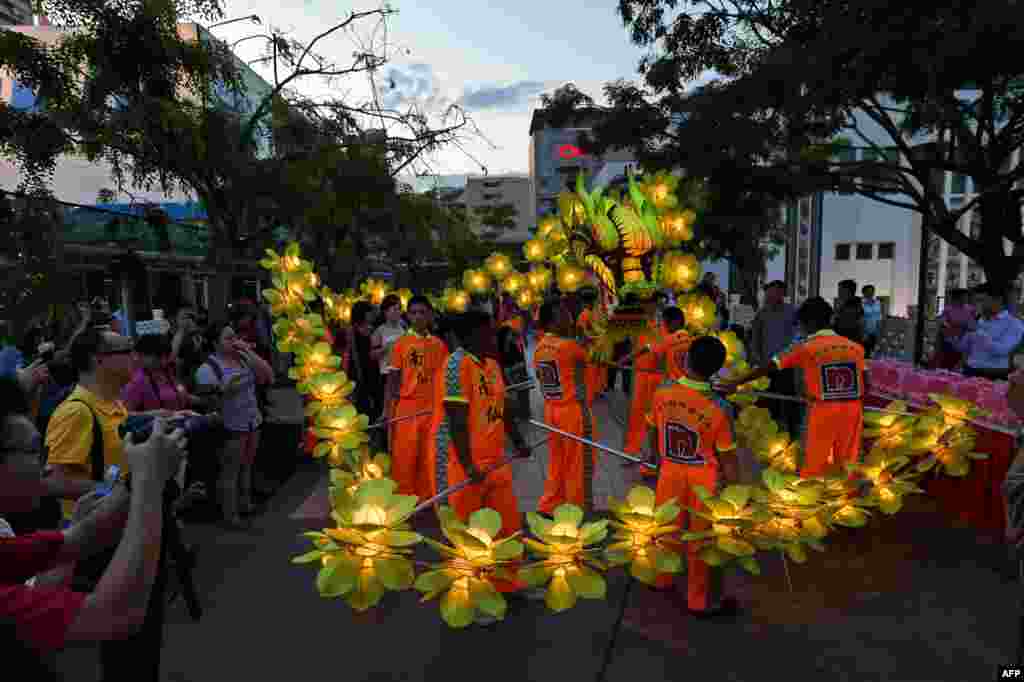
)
(412, 84)
(508, 97)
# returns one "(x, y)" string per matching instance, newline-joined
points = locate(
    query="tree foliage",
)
(918, 92)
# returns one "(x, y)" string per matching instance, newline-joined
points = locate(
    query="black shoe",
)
(729, 608)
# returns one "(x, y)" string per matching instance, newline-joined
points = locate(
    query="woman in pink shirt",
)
(153, 386)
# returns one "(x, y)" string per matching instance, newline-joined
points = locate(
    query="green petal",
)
(560, 595)
(400, 538)
(308, 557)
(457, 609)
(640, 496)
(852, 517)
(434, 581)
(666, 561)
(536, 575)
(538, 524)
(368, 592)
(462, 537)
(643, 570)
(713, 556)
(376, 492)
(587, 583)
(508, 550)
(667, 513)
(395, 573)
(486, 520)
(737, 495)
(735, 546)
(338, 577)
(750, 565)
(891, 506)
(796, 553)
(401, 506)
(594, 532)
(569, 514)
(487, 599)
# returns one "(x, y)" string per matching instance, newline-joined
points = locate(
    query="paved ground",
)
(914, 599)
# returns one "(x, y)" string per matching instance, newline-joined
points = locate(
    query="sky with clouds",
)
(493, 58)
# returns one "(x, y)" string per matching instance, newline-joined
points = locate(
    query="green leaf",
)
(773, 479)
(376, 492)
(851, 517)
(560, 595)
(667, 513)
(462, 537)
(486, 520)
(538, 547)
(395, 573)
(594, 532)
(308, 557)
(643, 570)
(737, 495)
(538, 524)
(750, 565)
(891, 505)
(814, 527)
(587, 583)
(487, 599)
(457, 609)
(702, 492)
(434, 581)
(367, 594)
(719, 508)
(568, 514)
(401, 506)
(640, 497)
(698, 535)
(927, 464)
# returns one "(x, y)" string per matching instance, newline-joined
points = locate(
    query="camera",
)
(140, 426)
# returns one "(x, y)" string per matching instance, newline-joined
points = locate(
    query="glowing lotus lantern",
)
(376, 290)
(475, 559)
(287, 263)
(526, 298)
(547, 225)
(343, 426)
(476, 282)
(570, 278)
(677, 226)
(700, 313)
(312, 360)
(456, 300)
(733, 346)
(535, 251)
(660, 190)
(539, 278)
(680, 271)
(643, 535)
(328, 390)
(567, 564)
(369, 552)
(498, 264)
(293, 333)
(344, 310)
(514, 283)
(404, 295)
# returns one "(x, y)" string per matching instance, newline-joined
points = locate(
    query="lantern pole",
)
(598, 446)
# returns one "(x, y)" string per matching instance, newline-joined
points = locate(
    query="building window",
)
(492, 184)
(959, 184)
(842, 252)
(491, 196)
(886, 250)
(864, 251)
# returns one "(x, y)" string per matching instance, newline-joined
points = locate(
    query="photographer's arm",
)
(264, 372)
(99, 529)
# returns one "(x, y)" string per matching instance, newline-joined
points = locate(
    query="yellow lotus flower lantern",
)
(680, 271)
(539, 278)
(476, 282)
(677, 226)
(526, 298)
(343, 426)
(456, 300)
(474, 560)
(513, 283)
(376, 290)
(643, 535)
(547, 225)
(288, 262)
(370, 551)
(535, 251)
(313, 360)
(328, 390)
(734, 350)
(404, 295)
(570, 278)
(498, 264)
(566, 549)
(700, 313)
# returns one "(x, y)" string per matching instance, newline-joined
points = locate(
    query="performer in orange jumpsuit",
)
(671, 350)
(415, 364)
(831, 371)
(469, 425)
(561, 365)
(691, 429)
(646, 378)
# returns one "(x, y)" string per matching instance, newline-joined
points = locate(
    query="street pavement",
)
(911, 598)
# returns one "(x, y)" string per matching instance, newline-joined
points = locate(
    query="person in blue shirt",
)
(988, 348)
(872, 318)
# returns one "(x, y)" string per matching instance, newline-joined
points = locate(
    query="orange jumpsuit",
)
(561, 365)
(694, 429)
(671, 352)
(419, 360)
(596, 375)
(479, 385)
(831, 370)
(645, 380)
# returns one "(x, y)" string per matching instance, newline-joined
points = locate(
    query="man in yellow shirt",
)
(104, 361)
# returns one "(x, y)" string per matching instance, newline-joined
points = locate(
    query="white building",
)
(488, 191)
